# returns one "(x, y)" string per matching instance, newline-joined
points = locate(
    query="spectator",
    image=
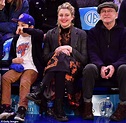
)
(46, 17)
(65, 52)
(107, 55)
(122, 15)
(10, 9)
(25, 55)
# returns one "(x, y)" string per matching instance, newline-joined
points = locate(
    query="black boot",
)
(59, 113)
(36, 96)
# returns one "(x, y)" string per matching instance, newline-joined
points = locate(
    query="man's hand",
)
(111, 71)
(107, 71)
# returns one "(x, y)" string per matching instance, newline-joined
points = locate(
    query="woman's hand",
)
(65, 51)
(64, 48)
(18, 60)
(2, 4)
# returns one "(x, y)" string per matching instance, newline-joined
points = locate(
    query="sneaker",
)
(5, 112)
(120, 113)
(20, 116)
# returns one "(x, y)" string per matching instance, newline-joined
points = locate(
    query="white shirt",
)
(24, 50)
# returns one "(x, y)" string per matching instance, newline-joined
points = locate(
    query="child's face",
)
(20, 27)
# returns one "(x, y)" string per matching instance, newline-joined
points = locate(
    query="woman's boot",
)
(36, 96)
(59, 113)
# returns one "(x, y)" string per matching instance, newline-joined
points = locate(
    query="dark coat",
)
(45, 13)
(78, 43)
(6, 23)
(36, 39)
(122, 12)
(107, 47)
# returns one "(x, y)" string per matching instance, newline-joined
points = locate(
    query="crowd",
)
(47, 33)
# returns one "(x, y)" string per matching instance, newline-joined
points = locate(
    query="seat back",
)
(89, 17)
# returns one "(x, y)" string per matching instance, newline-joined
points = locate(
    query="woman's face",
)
(8, 1)
(64, 18)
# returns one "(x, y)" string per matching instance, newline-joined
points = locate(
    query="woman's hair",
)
(18, 4)
(68, 6)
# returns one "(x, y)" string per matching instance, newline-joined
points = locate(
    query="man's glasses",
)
(107, 11)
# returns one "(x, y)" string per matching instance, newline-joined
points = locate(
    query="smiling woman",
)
(65, 54)
(65, 16)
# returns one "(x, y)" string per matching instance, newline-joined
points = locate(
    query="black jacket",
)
(107, 47)
(36, 39)
(78, 43)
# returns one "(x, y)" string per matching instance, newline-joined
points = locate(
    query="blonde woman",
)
(65, 54)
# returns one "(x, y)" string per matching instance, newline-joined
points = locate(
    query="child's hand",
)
(19, 30)
(2, 4)
(18, 60)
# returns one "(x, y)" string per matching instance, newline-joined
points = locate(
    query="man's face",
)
(108, 15)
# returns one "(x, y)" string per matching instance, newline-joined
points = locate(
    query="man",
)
(107, 55)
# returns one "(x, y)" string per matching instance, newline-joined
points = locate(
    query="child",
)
(25, 56)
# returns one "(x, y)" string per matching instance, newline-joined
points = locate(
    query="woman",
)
(46, 18)
(65, 54)
(11, 9)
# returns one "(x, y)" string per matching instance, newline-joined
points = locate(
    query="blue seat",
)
(89, 17)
